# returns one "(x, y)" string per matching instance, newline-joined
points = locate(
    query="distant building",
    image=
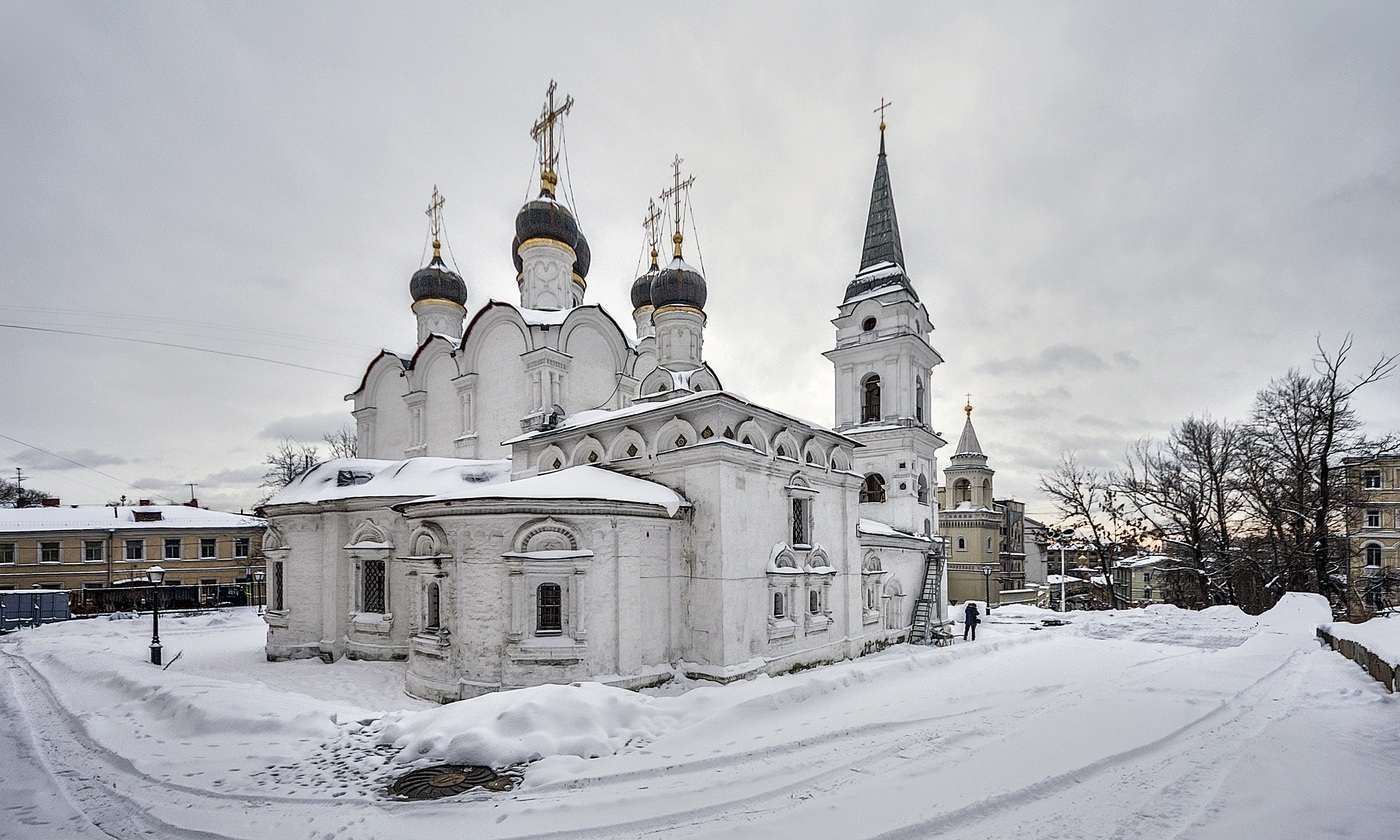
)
(1143, 580)
(1373, 526)
(85, 548)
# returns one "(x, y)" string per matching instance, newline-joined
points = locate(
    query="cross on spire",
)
(968, 407)
(881, 112)
(434, 214)
(673, 194)
(652, 224)
(542, 132)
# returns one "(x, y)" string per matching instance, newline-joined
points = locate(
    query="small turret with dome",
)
(550, 252)
(439, 293)
(678, 296)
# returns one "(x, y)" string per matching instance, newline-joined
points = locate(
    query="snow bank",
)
(1380, 636)
(586, 720)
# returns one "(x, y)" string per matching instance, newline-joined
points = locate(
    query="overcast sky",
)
(1118, 215)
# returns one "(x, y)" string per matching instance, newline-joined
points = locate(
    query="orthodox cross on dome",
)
(542, 132)
(968, 407)
(652, 224)
(673, 194)
(434, 214)
(881, 112)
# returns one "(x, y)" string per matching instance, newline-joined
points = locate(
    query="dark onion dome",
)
(546, 218)
(515, 255)
(437, 281)
(641, 287)
(583, 256)
(678, 284)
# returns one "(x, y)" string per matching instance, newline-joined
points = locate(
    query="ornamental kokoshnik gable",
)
(543, 498)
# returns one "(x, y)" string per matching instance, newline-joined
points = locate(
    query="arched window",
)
(986, 492)
(962, 544)
(923, 489)
(1373, 555)
(919, 399)
(873, 490)
(549, 610)
(870, 399)
(962, 491)
(814, 601)
(431, 620)
(779, 605)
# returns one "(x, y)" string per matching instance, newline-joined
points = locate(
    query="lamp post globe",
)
(259, 577)
(156, 575)
(987, 578)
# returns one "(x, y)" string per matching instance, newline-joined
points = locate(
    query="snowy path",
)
(1146, 724)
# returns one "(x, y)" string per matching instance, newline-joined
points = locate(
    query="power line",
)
(177, 346)
(84, 466)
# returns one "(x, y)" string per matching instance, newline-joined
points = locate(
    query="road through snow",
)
(1151, 723)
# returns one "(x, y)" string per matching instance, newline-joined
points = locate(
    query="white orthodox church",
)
(543, 497)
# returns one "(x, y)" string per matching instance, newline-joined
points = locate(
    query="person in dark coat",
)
(971, 619)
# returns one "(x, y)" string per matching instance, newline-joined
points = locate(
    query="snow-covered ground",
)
(1150, 723)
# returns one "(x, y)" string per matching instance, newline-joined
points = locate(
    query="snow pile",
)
(586, 720)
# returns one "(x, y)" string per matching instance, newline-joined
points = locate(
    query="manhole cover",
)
(448, 780)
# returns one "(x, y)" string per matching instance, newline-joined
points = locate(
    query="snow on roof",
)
(103, 517)
(875, 527)
(344, 478)
(1139, 562)
(543, 317)
(581, 482)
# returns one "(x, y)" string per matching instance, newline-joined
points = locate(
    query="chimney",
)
(50, 503)
(194, 503)
(145, 503)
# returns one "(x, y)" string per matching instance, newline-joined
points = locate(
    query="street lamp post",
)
(258, 577)
(155, 575)
(987, 578)
(1066, 534)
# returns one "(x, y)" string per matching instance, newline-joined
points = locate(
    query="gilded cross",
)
(434, 211)
(652, 223)
(881, 111)
(674, 194)
(542, 132)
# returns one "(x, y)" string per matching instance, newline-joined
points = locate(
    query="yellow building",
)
(92, 548)
(1373, 525)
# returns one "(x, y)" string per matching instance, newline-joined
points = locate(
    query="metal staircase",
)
(926, 627)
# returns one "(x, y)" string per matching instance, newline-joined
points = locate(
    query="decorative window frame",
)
(1369, 550)
(892, 603)
(370, 542)
(546, 551)
(872, 577)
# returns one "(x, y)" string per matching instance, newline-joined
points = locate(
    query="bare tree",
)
(342, 441)
(290, 459)
(1090, 504)
(13, 494)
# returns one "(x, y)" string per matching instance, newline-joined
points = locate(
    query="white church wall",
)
(435, 372)
(501, 396)
(385, 391)
(592, 380)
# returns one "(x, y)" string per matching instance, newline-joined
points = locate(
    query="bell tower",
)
(883, 360)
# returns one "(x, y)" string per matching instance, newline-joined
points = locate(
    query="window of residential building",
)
(1373, 555)
(279, 586)
(242, 547)
(7, 552)
(172, 549)
(94, 551)
(1147, 592)
(870, 399)
(549, 610)
(372, 586)
(873, 490)
(48, 552)
(208, 548)
(135, 549)
(1371, 479)
(1373, 519)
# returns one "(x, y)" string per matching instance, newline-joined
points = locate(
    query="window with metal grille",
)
(372, 586)
(279, 586)
(549, 609)
(800, 519)
(432, 603)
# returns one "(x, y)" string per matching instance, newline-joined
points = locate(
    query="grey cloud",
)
(1053, 359)
(305, 427)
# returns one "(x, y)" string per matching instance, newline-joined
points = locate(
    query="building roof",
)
(882, 256)
(582, 482)
(345, 478)
(968, 443)
(120, 518)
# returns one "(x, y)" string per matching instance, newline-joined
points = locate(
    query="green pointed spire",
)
(881, 227)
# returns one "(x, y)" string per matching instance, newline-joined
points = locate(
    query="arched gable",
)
(675, 435)
(839, 461)
(429, 540)
(552, 458)
(814, 453)
(587, 451)
(548, 534)
(752, 434)
(785, 445)
(369, 534)
(618, 450)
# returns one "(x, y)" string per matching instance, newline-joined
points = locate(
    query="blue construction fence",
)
(32, 608)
